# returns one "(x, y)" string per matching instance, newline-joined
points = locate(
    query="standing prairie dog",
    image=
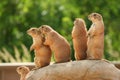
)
(22, 71)
(79, 37)
(58, 44)
(42, 52)
(95, 42)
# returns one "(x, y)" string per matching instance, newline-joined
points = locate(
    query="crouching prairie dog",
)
(79, 37)
(95, 42)
(58, 44)
(22, 71)
(42, 52)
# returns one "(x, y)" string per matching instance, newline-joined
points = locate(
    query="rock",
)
(77, 70)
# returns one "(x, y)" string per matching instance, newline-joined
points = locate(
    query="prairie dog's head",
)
(95, 17)
(22, 70)
(45, 29)
(33, 32)
(79, 21)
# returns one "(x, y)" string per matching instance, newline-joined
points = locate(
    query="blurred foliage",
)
(16, 16)
(17, 56)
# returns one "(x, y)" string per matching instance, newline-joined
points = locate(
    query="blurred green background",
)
(17, 16)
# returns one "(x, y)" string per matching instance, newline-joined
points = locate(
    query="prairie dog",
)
(58, 44)
(79, 37)
(42, 52)
(95, 42)
(22, 71)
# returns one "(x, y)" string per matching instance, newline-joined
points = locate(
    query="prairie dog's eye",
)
(20, 68)
(42, 26)
(33, 29)
(94, 14)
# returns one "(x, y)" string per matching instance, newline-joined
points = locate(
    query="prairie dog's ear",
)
(39, 31)
(46, 29)
(99, 17)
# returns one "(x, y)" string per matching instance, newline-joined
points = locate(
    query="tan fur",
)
(79, 37)
(42, 52)
(95, 37)
(22, 71)
(58, 44)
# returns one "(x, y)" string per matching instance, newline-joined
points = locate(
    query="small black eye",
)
(20, 68)
(33, 29)
(94, 14)
(42, 27)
